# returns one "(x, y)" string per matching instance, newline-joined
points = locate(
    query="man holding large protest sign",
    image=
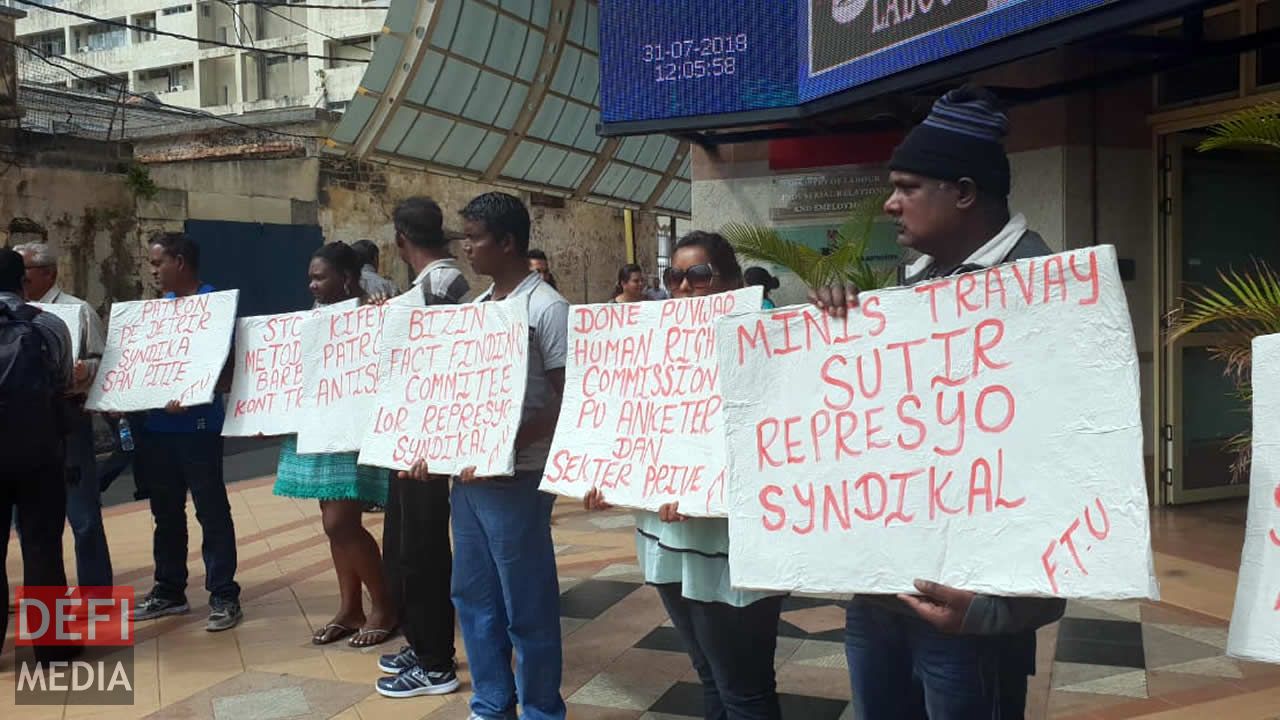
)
(505, 586)
(949, 653)
(183, 450)
(415, 533)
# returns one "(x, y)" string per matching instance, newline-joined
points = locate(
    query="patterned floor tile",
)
(613, 522)
(1066, 674)
(266, 696)
(820, 653)
(662, 638)
(627, 692)
(1126, 684)
(590, 598)
(1215, 636)
(1164, 648)
(1100, 642)
(1222, 667)
(816, 620)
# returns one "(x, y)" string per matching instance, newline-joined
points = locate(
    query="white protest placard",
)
(980, 430)
(642, 415)
(451, 388)
(266, 390)
(1255, 621)
(163, 350)
(69, 314)
(339, 378)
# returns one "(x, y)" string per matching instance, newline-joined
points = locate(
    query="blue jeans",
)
(174, 463)
(900, 667)
(84, 508)
(732, 649)
(507, 596)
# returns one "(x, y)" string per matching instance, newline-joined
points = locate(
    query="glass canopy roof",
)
(506, 92)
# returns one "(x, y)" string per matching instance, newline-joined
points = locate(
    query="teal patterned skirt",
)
(334, 476)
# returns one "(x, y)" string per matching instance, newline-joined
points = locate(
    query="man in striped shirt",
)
(415, 536)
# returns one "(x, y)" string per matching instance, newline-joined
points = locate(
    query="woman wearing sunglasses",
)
(730, 635)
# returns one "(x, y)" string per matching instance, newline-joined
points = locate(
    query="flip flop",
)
(332, 633)
(369, 637)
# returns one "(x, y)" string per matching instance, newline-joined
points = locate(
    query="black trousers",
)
(175, 463)
(418, 562)
(41, 499)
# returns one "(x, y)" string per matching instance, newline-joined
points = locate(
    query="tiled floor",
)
(622, 658)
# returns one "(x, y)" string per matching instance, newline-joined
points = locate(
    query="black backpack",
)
(32, 417)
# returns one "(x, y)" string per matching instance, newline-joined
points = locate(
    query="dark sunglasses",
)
(698, 276)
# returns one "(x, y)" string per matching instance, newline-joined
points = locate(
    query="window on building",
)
(144, 23)
(1207, 79)
(50, 43)
(350, 51)
(178, 10)
(1268, 57)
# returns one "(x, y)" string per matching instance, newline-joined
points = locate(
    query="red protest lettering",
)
(900, 514)
(905, 347)
(1027, 284)
(808, 503)
(766, 493)
(864, 482)
(956, 419)
(871, 311)
(965, 285)
(836, 382)
(1054, 277)
(980, 348)
(831, 505)
(1090, 276)
(932, 289)
(906, 419)
(945, 378)
(1050, 568)
(1001, 502)
(995, 288)
(982, 489)
(980, 418)
(936, 505)
(1100, 534)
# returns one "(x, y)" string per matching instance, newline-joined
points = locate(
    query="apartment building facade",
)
(120, 50)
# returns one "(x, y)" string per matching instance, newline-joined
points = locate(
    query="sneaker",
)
(224, 616)
(415, 681)
(397, 663)
(153, 606)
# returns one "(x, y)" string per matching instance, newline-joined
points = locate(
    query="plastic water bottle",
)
(126, 435)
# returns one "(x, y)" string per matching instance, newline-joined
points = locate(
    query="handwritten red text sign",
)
(981, 430)
(163, 350)
(452, 387)
(1255, 621)
(642, 415)
(339, 378)
(266, 390)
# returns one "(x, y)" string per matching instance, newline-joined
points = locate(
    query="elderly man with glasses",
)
(84, 502)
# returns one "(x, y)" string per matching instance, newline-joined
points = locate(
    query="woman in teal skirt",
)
(343, 489)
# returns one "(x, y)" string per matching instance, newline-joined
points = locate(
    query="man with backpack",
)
(35, 375)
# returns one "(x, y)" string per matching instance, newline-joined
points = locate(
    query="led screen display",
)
(664, 59)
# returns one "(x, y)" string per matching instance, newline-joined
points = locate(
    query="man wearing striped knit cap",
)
(947, 654)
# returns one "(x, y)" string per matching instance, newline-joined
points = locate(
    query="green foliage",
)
(1255, 127)
(843, 262)
(138, 179)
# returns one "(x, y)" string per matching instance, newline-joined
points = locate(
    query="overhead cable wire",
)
(304, 26)
(187, 111)
(166, 33)
(313, 6)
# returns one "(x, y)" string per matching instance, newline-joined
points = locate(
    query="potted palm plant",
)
(1248, 304)
(844, 260)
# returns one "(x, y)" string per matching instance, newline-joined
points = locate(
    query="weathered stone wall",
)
(75, 195)
(585, 242)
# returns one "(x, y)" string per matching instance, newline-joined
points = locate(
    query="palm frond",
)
(763, 244)
(1257, 126)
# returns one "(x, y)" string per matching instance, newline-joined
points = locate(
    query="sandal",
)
(368, 637)
(332, 633)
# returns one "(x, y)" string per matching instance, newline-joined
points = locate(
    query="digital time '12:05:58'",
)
(695, 59)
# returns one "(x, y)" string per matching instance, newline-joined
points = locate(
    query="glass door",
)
(1222, 212)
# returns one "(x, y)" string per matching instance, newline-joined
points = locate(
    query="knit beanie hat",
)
(962, 137)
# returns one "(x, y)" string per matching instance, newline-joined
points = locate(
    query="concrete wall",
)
(70, 197)
(585, 242)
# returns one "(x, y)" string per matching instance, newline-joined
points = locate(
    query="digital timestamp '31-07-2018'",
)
(715, 56)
